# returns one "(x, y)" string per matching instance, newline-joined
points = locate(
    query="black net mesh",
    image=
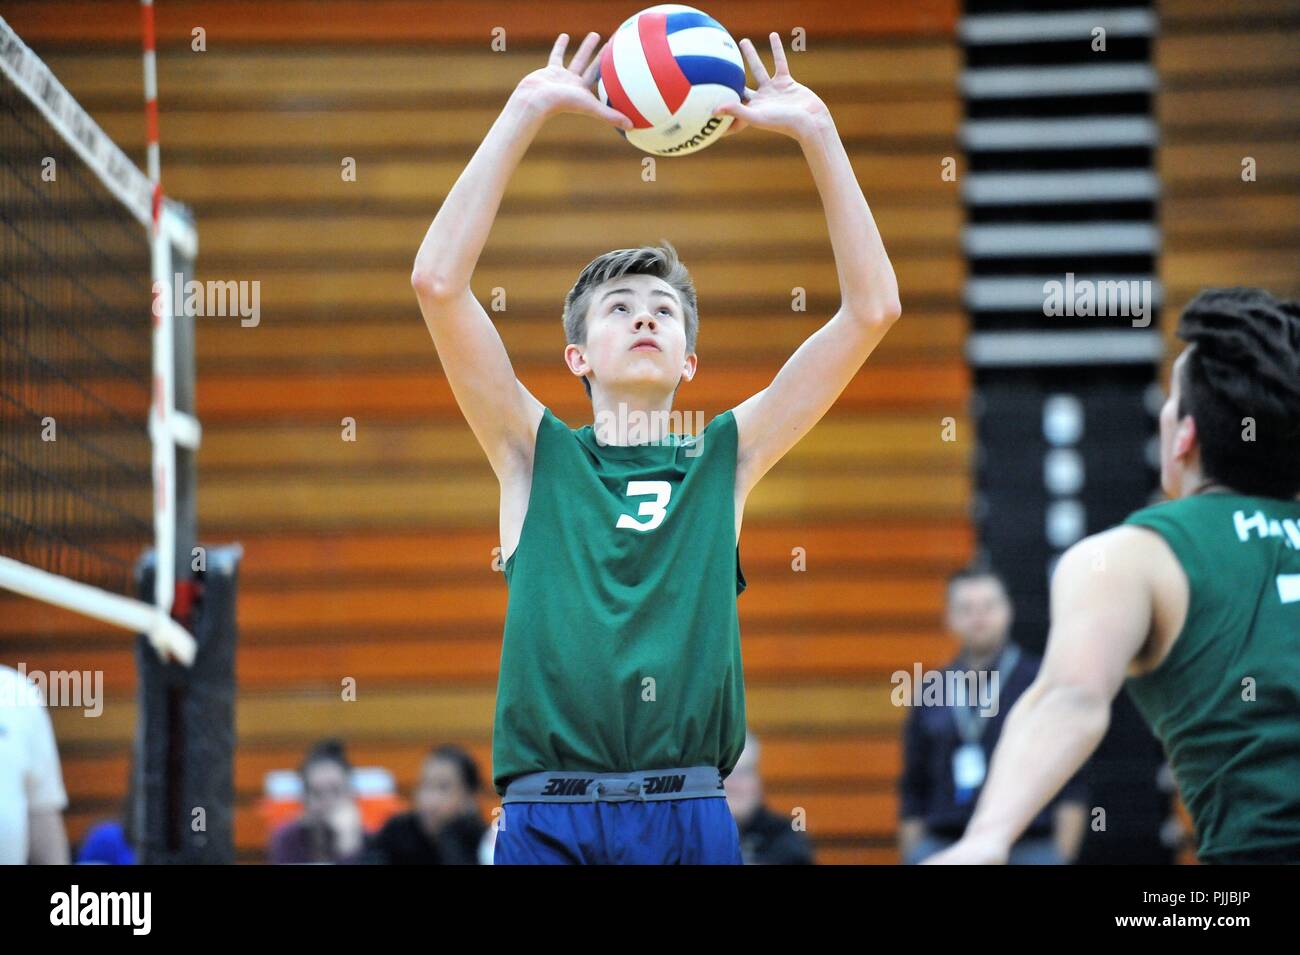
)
(75, 360)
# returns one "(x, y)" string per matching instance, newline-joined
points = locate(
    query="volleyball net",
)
(97, 432)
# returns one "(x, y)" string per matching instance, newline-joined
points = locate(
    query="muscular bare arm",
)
(1104, 607)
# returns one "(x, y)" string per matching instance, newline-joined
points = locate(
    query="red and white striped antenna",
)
(153, 164)
(168, 426)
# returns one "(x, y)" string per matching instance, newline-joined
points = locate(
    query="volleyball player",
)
(1193, 604)
(620, 703)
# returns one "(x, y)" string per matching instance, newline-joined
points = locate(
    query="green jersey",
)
(1225, 702)
(622, 639)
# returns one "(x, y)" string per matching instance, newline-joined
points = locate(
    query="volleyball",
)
(665, 69)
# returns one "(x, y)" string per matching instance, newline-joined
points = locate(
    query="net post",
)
(177, 225)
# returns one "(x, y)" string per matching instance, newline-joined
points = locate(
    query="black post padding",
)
(184, 752)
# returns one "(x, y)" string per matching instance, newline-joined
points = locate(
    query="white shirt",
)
(30, 777)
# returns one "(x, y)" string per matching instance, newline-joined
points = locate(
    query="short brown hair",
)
(658, 260)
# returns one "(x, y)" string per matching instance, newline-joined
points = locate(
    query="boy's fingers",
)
(755, 64)
(589, 74)
(595, 107)
(778, 54)
(580, 62)
(557, 51)
(736, 126)
(736, 110)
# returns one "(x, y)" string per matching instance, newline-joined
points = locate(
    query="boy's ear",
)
(576, 358)
(1184, 436)
(690, 366)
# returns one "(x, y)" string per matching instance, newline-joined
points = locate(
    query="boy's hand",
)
(559, 89)
(779, 104)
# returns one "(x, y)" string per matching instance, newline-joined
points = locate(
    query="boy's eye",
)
(662, 308)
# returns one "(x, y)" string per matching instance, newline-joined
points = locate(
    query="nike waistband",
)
(650, 785)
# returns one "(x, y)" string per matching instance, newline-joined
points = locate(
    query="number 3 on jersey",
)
(654, 510)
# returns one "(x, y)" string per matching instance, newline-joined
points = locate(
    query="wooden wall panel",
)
(307, 22)
(375, 559)
(1228, 91)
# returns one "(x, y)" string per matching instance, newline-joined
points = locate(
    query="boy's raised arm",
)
(771, 422)
(499, 409)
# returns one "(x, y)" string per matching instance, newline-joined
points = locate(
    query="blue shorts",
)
(668, 832)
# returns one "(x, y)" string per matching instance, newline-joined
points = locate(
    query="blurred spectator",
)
(766, 837)
(947, 747)
(330, 829)
(444, 826)
(32, 797)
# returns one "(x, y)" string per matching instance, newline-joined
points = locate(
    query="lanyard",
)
(970, 725)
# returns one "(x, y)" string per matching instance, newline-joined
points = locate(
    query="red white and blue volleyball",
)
(666, 69)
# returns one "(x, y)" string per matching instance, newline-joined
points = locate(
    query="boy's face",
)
(623, 312)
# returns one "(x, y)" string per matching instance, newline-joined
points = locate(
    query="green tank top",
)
(622, 639)
(1236, 760)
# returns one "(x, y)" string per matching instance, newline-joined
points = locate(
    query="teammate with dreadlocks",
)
(1194, 604)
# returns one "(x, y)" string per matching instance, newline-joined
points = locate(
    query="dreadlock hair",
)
(1245, 363)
